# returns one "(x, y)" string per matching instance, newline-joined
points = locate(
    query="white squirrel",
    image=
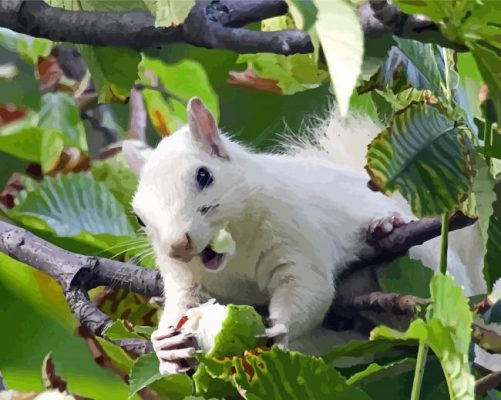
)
(298, 219)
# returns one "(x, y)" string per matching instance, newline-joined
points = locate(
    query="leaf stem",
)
(419, 371)
(444, 243)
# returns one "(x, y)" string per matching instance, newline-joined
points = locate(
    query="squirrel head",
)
(189, 187)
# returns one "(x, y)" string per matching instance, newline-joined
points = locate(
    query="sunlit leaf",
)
(342, 41)
(169, 12)
(447, 331)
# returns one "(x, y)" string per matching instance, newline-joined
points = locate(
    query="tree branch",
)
(379, 18)
(77, 274)
(401, 239)
(211, 24)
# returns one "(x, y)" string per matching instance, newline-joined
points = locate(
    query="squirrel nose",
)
(182, 249)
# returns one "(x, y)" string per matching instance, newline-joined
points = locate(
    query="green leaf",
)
(145, 372)
(447, 331)
(294, 73)
(118, 330)
(358, 348)
(72, 205)
(118, 355)
(238, 333)
(422, 67)
(34, 140)
(113, 70)
(407, 276)
(281, 374)
(491, 270)
(28, 47)
(169, 12)
(117, 177)
(423, 156)
(145, 330)
(60, 113)
(306, 9)
(183, 80)
(342, 41)
(375, 371)
(483, 188)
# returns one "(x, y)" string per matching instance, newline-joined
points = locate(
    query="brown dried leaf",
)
(249, 80)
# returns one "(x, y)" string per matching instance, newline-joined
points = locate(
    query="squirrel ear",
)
(204, 129)
(133, 156)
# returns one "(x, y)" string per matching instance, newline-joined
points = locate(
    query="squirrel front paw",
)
(382, 227)
(173, 348)
(278, 333)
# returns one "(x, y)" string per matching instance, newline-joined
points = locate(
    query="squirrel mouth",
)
(211, 259)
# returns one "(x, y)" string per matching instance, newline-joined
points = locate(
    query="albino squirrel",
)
(297, 218)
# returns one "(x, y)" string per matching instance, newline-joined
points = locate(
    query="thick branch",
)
(401, 239)
(379, 18)
(210, 24)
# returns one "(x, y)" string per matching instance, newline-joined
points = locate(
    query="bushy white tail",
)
(343, 142)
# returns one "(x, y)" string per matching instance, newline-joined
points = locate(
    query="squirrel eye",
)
(140, 221)
(204, 178)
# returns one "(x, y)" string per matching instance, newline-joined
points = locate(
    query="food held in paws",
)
(223, 330)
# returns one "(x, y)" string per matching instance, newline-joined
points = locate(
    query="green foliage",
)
(169, 12)
(446, 331)
(282, 375)
(422, 155)
(74, 206)
(440, 146)
(145, 372)
(113, 70)
(342, 42)
(407, 276)
(169, 113)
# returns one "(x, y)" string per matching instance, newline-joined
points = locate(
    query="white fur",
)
(297, 218)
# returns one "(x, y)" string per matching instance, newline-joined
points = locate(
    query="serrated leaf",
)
(491, 270)
(342, 41)
(238, 333)
(447, 332)
(423, 156)
(113, 70)
(145, 372)
(483, 188)
(407, 276)
(72, 205)
(281, 374)
(422, 68)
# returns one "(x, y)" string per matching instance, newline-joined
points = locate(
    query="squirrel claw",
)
(278, 333)
(382, 227)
